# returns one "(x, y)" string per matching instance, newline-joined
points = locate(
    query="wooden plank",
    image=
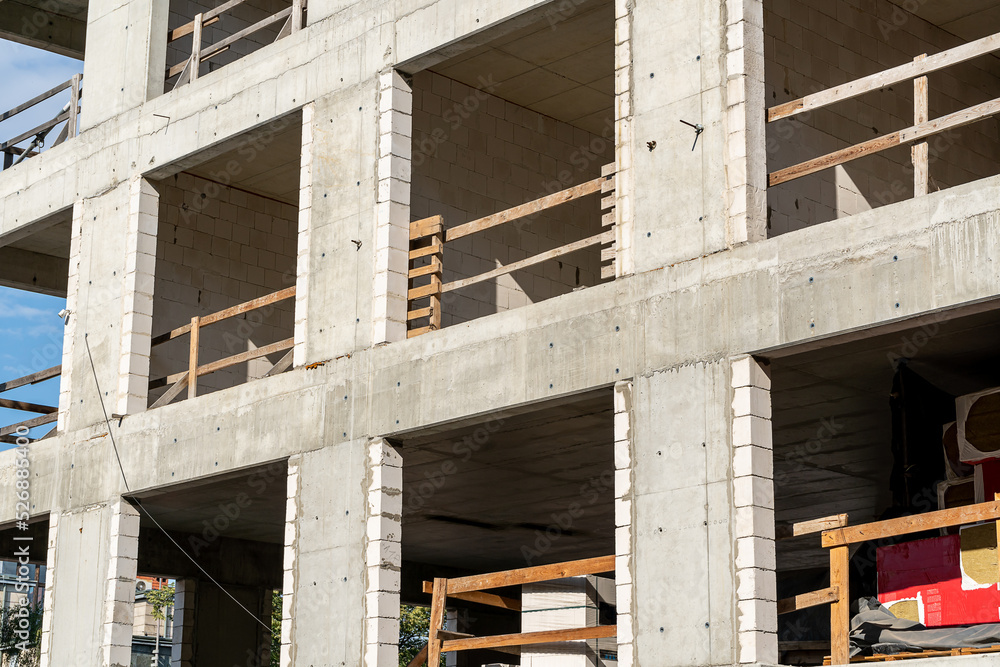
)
(528, 638)
(603, 237)
(524, 210)
(188, 28)
(249, 355)
(785, 531)
(259, 302)
(47, 125)
(886, 78)
(418, 313)
(482, 598)
(434, 267)
(807, 600)
(217, 52)
(918, 523)
(296, 17)
(195, 71)
(840, 611)
(438, 602)
(419, 659)
(426, 227)
(435, 247)
(608, 219)
(909, 135)
(607, 202)
(607, 272)
(608, 185)
(74, 105)
(30, 423)
(170, 394)
(181, 68)
(413, 333)
(193, 358)
(27, 407)
(528, 575)
(283, 365)
(920, 153)
(35, 100)
(33, 378)
(609, 169)
(170, 335)
(425, 290)
(235, 37)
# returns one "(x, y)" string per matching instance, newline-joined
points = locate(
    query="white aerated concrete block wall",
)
(624, 596)
(289, 561)
(392, 211)
(182, 637)
(137, 303)
(45, 641)
(624, 141)
(383, 554)
(475, 154)
(753, 494)
(813, 45)
(304, 235)
(119, 597)
(69, 330)
(218, 247)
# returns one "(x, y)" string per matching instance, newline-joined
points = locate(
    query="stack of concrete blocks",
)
(182, 646)
(565, 604)
(753, 496)
(383, 554)
(288, 564)
(119, 615)
(624, 599)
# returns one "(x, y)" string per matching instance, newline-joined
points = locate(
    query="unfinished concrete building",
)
(612, 331)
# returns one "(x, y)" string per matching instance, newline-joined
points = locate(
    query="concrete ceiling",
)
(188, 508)
(847, 386)
(272, 171)
(59, 26)
(561, 65)
(36, 258)
(481, 513)
(968, 19)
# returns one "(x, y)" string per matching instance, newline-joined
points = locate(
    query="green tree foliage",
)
(19, 618)
(159, 600)
(414, 623)
(275, 628)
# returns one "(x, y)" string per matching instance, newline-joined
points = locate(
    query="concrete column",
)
(746, 155)
(119, 595)
(45, 642)
(753, 498)
(681, 512)
(292, 512)
(383, 554)
(624, 537)
(624, 141)
(304, 236)
(182, 640)
(69, 330)
(137, 301)
(392, 225)
(126, 57)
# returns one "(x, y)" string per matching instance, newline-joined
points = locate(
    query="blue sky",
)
(30, 331)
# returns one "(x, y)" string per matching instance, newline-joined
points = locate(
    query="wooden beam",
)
(47, 125)
(528, 575)
(524, 210)
(807, 600)
(30, 423)
(413, 333)
(249, 30)
(27, 407)
(253, 304)
(170, 394)
(418, 313)
(920, 153)
(603, 237)
(240, 358)
(438, 602)
(195, 71)
(419, 659)
(426, 227)
(283, 365)
(909, 135)
(33, 378)
(528, 638)
(35, 100)
(188, 28)
(785, 531)
(434, 267)
(434, 248)
(425, 290)
(886, 78)
(480, 598)
(918, 523)
(840, 610)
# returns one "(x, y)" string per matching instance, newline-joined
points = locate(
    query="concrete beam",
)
(34, 272)
(228, 560)
(42, 29)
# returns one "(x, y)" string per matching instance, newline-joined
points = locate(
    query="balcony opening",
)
(859, 118)
(511, 190)
(226, 250)
(34, 270)
(43, 84)
(152, 627)
(203, 38)
(22, 590)
(872, 439)
(509, 494)
(223, 612)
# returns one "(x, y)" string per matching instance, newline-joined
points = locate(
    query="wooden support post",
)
(296, 15)
(193, 357)
(840, 611)
(438, 602)
(996, 496)
(195, 56)
(74, 105)
(920, 153)
(435, 318)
